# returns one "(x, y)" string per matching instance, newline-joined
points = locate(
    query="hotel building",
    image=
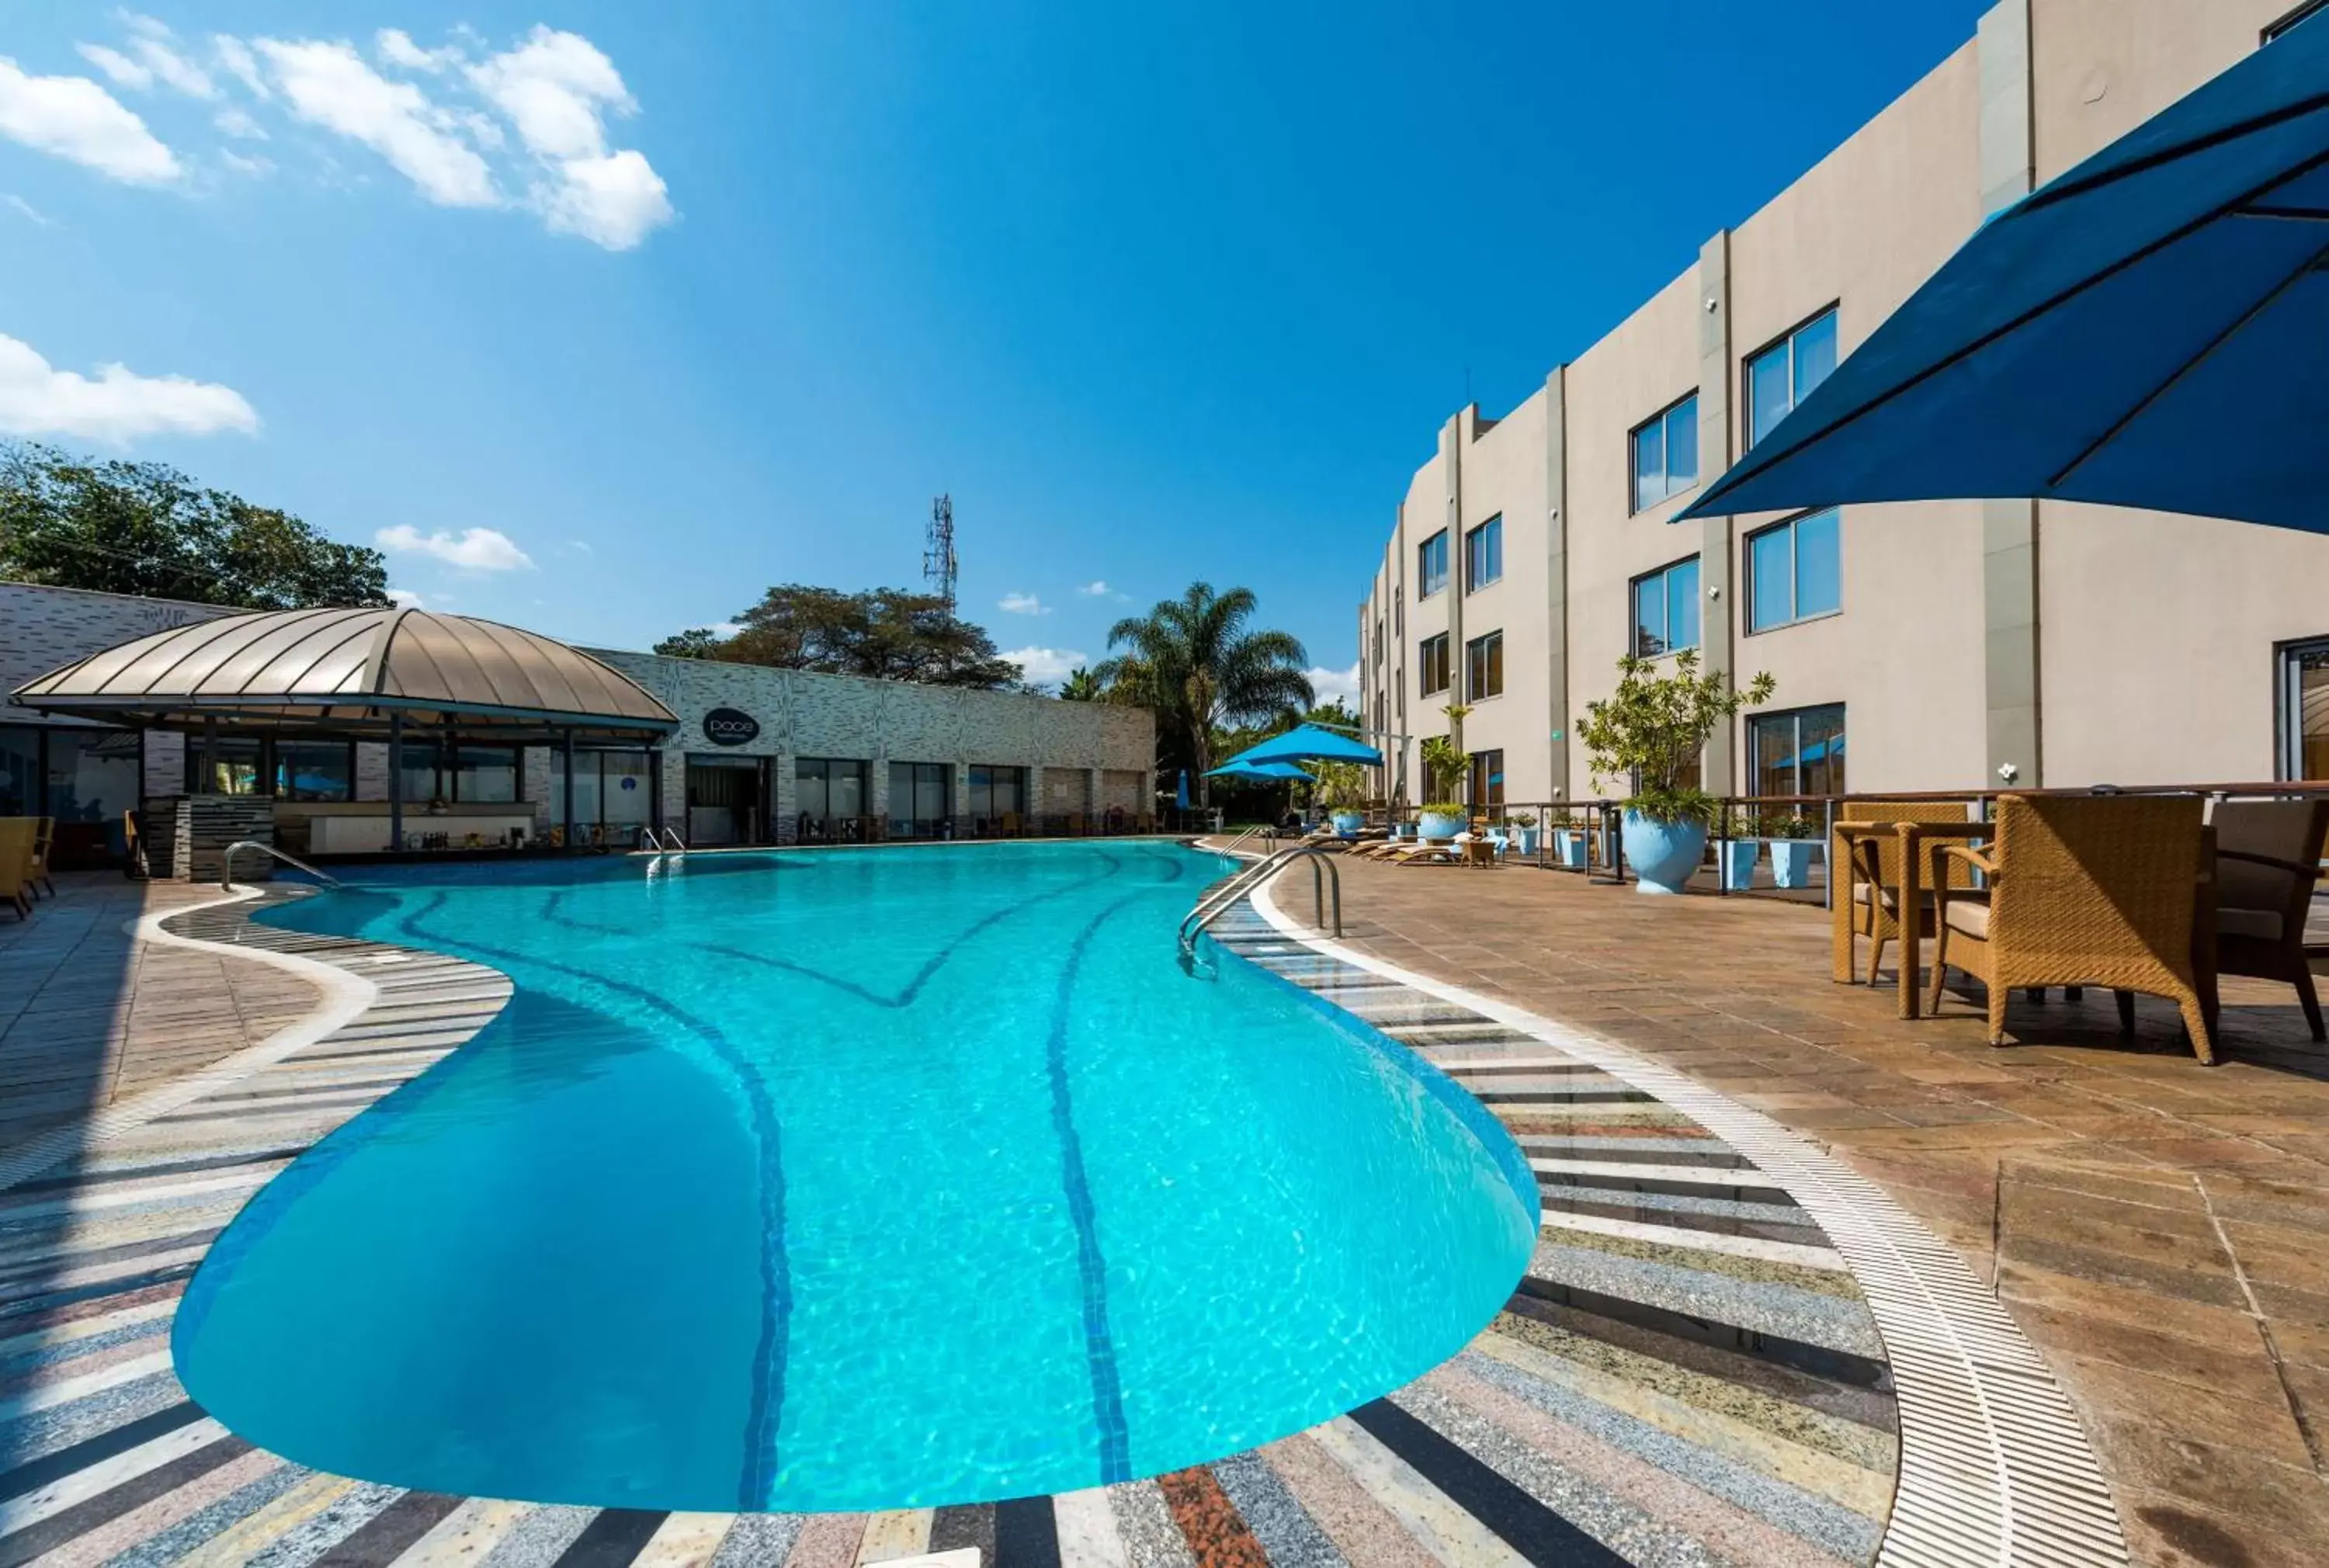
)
(1935, 645)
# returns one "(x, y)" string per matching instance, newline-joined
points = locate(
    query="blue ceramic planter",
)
(1569, 847)
(1791, 865)
(1441, 825)
(1349, 822)
(1739, 858)
(1662, 854)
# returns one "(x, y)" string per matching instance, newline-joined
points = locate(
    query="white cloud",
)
(727, 628)
(238, 123)
(408, 598)
(123, 70)
(557, 87)
(1045, 666)
(174, 69)
(396, 48)
(484, 549)
(234, 57)
(257, 168)
(116, 408)
(75, 118)
(25, 209)
(579, 547)
(329, 85)
(1022, 604)
(1332, 684)
(1095, 590)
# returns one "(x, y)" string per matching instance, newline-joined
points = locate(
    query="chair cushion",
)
(1969, 915)
(1860, 892)
(2263, 925)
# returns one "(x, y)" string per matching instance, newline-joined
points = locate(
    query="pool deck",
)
(1622, 1409)
(2158, 1228)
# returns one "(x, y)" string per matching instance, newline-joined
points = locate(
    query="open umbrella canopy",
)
(1272, 771)
(2145, 330)
(1311, 742)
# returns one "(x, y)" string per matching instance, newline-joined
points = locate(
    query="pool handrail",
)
(1221, 898)
(226, 864)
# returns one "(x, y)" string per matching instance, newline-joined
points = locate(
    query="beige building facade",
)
(1934, 645)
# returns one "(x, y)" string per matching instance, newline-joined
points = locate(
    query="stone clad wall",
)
(801, 714)
(44, 628)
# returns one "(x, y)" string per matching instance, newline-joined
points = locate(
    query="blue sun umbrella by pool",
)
(1181, 793)
(1270, 772)
(1311, 742)
(2145, 330)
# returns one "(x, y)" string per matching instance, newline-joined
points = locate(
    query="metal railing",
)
(226, 864)
(668, 843)
(1219, 900)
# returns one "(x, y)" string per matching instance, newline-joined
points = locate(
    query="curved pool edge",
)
(1995, 1465)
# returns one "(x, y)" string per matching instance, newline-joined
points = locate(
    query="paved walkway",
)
(2159, 1228)
(89, 1015)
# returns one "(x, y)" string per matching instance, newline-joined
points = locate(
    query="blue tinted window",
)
(1784, 374)
(1665, 609)
(1431, 565)
(1484, 554)
(1665, 453)
(1794, 571)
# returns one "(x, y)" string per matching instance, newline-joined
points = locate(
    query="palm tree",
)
(1081, 686)
(1193, 662)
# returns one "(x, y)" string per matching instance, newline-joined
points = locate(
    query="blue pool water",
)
(851, 1180)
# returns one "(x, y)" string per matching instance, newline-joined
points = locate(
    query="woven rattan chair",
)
(16, 864)
(2268, 858)
(2084, 889)
(45, 843)
(1864, 871)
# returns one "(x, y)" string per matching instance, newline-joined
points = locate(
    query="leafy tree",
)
(1651, 730)
(147, 529)
(1195, 664)
(888, 634)
(1081, 686)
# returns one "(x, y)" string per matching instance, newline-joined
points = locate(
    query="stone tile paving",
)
(2160, 1229)
(89, 1015)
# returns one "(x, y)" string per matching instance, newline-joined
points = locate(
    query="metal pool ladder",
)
(1223, 898)
(226, 864)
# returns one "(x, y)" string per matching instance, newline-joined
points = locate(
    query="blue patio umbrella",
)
(1181, 793)
(2145, 330)
(1274, 771)
(1312, 743)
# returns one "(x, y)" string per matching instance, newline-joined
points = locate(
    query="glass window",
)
(314, 770)
(1484, 667)
(1379, 640)
(485, 773)
(1665, 453)
(1397, 613)
(994, 791)
(1487, 778)
(234, 763)
(1432, 659)
(2304, 710)
(1431, 565)
(1784, 374)
(1483, 555)
(919, 798)
(93, 775)
(20, 784)
(1665, 609)
(1794, 571)
(1797, 753)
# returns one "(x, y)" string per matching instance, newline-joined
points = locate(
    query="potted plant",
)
(1738, 857)
(1523, 825)
(1341, 791)
(1652, 730)
(1443, 764)
(1568, 840)
(1792, 843)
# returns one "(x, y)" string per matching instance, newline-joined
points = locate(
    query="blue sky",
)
(607, 317)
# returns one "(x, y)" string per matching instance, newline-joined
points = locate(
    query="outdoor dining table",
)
(1919, 865)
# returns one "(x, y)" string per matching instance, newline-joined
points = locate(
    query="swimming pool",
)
(851, 1180)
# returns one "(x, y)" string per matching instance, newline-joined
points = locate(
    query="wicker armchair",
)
(2268, 858)
(16, 864)
(44, 844)
(2084, 889)
(1864, 875)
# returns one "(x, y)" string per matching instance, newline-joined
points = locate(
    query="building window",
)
(1665, 610)
(920, 798)
(236, 765)
(1483, 555)
(2304, 710)
(435, 772)
(1432, 658)
(21, 784)
(1797, 753)
(1397, 613)
(314, 770)
(612, 789)
(1487, 779)
(1793, 573)
(1484, 667)
(1431, 565)
(996, 791)
(1784, 374)
(827, 791)
(1665, 453)
(1379, 640)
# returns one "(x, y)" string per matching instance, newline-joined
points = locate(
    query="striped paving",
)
(1687, 1374)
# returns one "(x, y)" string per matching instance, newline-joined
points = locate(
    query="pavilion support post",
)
(569, 738)
(207, 777)
(396, 783)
